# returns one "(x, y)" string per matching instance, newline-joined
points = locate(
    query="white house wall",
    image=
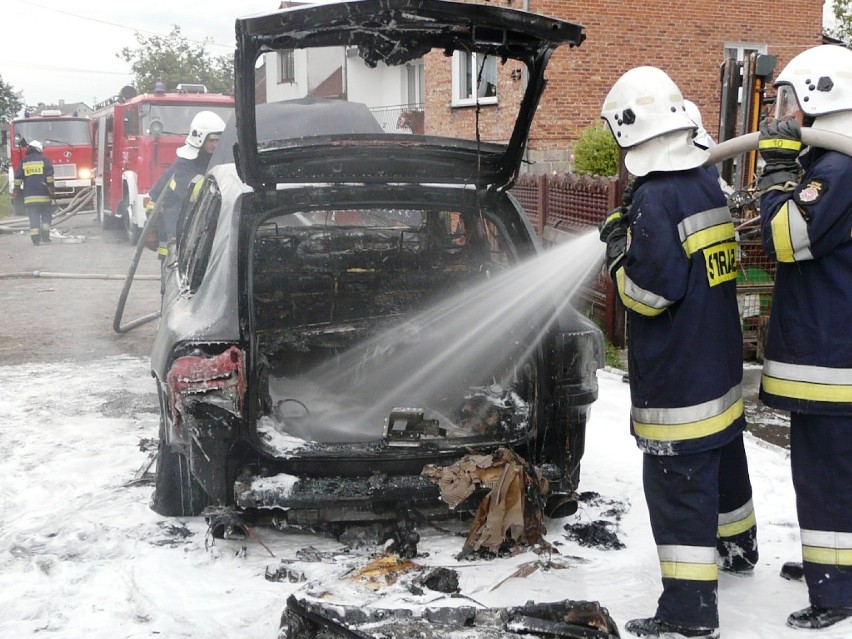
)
(380, 87)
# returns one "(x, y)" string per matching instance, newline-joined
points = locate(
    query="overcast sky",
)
(53, 49)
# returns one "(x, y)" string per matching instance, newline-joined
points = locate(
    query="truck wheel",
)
(133, 232)
(176, 493)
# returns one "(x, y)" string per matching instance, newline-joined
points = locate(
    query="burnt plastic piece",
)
(409, 425)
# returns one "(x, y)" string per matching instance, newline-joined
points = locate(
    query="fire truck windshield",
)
(175, 119)
(53, 132)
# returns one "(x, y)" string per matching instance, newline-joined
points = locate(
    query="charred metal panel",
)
(567, 619)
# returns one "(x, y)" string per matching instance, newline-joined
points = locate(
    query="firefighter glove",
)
(615, 219)
(779, 144)
(613, 231)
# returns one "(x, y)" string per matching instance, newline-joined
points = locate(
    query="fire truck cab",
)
(67, 142)
(135, 142)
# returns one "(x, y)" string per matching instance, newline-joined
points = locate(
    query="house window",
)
(286, 67)
(415, 82)
(739, 51)
(474, 70)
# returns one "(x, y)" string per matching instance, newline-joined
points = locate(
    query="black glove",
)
(614, 220)
(613, 231)
(779, 144)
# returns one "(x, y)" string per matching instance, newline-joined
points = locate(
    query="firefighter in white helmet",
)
(192, 159)
(34, 185)
(806, 223)
(673, 257)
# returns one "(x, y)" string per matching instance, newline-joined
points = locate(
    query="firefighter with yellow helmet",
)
(673, 257)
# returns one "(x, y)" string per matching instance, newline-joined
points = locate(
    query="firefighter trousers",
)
(688, 497)
(41, 215)
(821, 460)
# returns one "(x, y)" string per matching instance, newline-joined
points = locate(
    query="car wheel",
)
(176, 492)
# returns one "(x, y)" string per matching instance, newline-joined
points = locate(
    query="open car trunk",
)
(373, 327)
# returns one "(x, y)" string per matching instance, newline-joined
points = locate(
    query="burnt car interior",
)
(351, 301)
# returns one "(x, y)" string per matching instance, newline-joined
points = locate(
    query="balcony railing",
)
(403, 118)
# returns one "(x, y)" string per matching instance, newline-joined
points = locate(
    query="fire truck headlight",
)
(84, 174)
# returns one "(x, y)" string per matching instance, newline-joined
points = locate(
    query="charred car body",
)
(316, 348)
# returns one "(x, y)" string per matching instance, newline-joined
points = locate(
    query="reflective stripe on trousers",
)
(821, 460)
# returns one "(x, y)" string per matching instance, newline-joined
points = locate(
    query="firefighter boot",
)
(793, 570)
(738, 554)
(654, 627)
(814, 618)
(45, 234)
(35, 237)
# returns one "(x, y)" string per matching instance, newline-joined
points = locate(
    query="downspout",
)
(525, 78)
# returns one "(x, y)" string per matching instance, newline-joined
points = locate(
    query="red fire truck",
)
(67, 141)
(136, 137)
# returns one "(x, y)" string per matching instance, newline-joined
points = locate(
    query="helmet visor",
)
(786, 104)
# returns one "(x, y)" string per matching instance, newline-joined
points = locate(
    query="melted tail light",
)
(218, 380)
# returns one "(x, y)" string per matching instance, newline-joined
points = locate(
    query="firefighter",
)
(806, 223)
(34, 182)
(192, 159)
(673, 258)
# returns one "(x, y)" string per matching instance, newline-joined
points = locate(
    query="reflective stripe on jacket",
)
(34, 176)
(678, 282)
(808, 231)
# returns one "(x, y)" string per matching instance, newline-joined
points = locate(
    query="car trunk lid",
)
(326, 50)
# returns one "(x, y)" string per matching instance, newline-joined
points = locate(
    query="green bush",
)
(596, 152)
(5, 198)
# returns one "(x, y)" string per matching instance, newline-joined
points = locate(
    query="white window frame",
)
(741, 49)
(458, 69)
(286, 61)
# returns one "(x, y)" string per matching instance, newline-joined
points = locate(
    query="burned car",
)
(341, 309)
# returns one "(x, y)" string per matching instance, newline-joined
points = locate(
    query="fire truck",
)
(136, 137)
(67, 141)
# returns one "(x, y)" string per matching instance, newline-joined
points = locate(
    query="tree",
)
(173, 59)
(11, 101)
(842, 29)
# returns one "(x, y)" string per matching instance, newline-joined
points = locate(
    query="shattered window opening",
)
(329, 282)
(197, 238)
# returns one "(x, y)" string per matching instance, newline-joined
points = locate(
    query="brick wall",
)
(685, 38)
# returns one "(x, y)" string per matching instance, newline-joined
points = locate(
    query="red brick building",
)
(689, 39)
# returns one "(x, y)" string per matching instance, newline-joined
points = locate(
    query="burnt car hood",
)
(392, 32)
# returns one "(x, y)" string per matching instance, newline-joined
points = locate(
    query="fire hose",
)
(720, 152)
(75, 205)
(810, 137)
(150, 225)
(745, 143)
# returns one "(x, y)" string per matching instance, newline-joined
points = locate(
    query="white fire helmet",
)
(203, 124)
(36, 145)
(820, 78)
(645, 112)
(644, 103)
(700, 137)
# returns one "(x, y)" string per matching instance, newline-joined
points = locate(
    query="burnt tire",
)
(176, 492)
